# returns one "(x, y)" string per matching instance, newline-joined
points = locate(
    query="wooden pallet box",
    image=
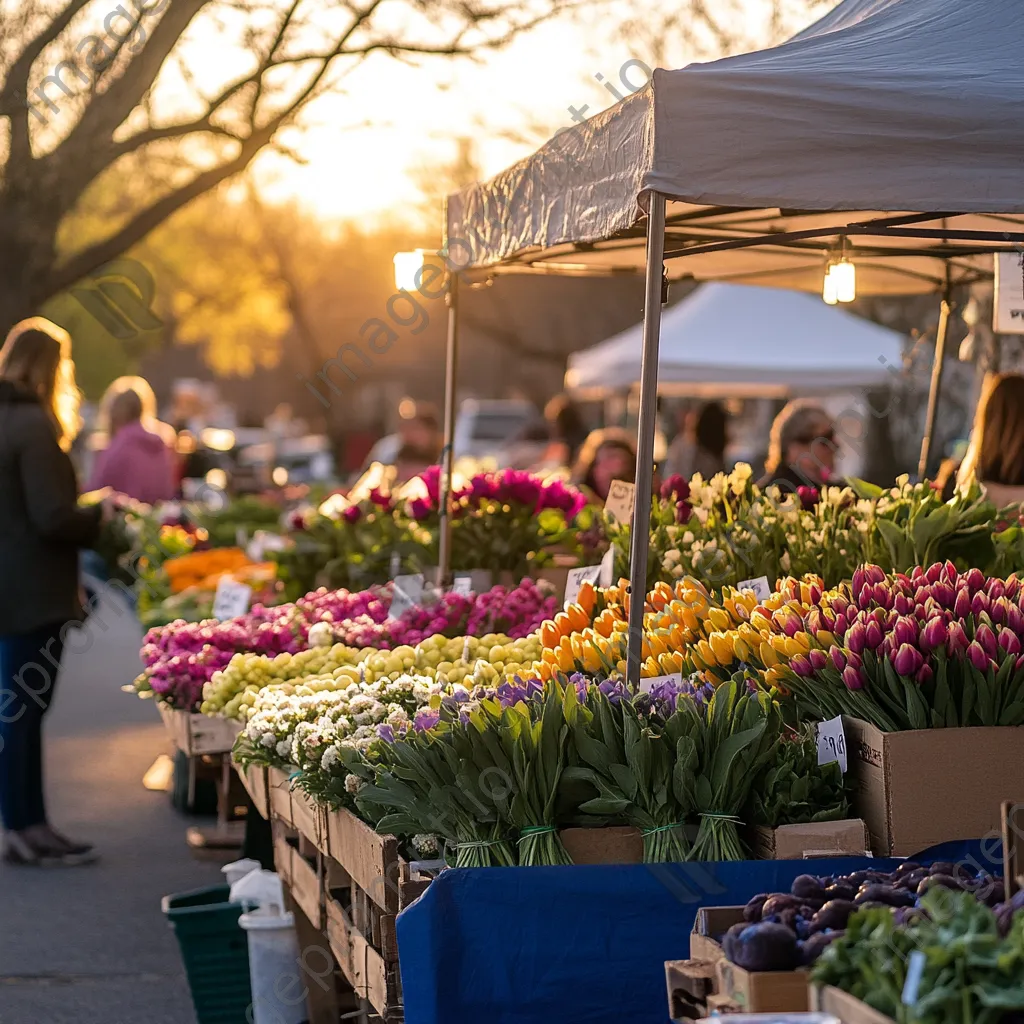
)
(309, 818)
(196, 734)
(254, 779)
(279, 792)
(372, 973)
(302, 879)
(371, 859)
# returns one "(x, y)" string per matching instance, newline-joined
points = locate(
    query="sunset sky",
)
(417, 112)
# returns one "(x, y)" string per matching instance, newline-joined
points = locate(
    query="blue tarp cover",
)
(578, 945)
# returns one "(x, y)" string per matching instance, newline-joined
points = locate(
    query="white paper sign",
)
(396, 564)
(760, 586)
(262, 542)
(619, 504)
(1008, 307)
(463, 584)
(231, 599)
(465, 649)
(915, 971)
(832, 742)
(607, 577)
(576, 579)
(408, 592)
(646, 685)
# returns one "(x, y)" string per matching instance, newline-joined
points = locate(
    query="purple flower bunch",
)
(927, 648)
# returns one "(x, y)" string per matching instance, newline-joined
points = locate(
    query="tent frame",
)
(659, 233)
(654, 275)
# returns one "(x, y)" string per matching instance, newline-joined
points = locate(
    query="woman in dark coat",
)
(41, 530)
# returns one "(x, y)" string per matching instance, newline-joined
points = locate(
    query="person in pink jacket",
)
(136, 462)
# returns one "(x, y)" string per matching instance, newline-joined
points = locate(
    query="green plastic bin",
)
(215, 951)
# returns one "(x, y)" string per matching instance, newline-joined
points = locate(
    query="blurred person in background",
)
(606, 455)
(700, 445)
(136, 461)
(418, 438)
(995, 458)
(565, 431)
(801, 448)
(42, 529)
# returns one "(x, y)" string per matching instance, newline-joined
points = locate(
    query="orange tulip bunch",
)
(203, 568)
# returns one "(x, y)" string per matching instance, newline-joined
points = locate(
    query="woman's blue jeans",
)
(28, 675)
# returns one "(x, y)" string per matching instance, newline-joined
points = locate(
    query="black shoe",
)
(56, 853)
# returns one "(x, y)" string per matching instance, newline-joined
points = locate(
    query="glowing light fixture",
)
(407, 269)
(217, 478)
(840, 284)
(279, 476)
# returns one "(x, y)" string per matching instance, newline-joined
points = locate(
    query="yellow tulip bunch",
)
(794, 620)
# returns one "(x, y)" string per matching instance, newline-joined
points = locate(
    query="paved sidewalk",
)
(90, 945)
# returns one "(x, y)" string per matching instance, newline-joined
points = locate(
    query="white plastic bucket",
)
(278, 992)
(237, 870)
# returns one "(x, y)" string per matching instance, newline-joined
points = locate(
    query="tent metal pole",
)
(448, 453)
(936, 383)
(641, 525)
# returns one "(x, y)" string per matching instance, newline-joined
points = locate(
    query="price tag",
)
(760, 586)
(465, 649)
(263, 542)
(576, 579)
(619, 504)
(915, 971)
(231, 599)
(408, 592)
(396, 564)
(606, 578)
(832, 742)
(463, 584)
(646, 685)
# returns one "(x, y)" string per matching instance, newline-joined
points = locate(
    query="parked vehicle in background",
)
(485, 427)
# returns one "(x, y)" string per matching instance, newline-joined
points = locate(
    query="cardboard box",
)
(847, 1008)
(612, 845)
(750, 991)
(919, 788)
(848, 837)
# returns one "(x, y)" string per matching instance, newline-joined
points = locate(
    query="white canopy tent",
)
(746, 341)
(882, 115)
(888, 132)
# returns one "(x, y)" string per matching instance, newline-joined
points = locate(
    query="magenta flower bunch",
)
(931, 648)
(505, 521)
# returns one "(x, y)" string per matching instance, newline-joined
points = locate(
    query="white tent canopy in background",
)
(726, 339)
(880, 108)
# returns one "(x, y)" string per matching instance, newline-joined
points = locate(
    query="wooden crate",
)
(309, 819)
(370, 859)
(373, 973)
(254, 779)
(196, 734)
(302, 878)
(279, 791)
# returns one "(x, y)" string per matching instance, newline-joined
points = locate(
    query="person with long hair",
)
(606, 455)
(41, 530)
(995, 458)
(801, 448)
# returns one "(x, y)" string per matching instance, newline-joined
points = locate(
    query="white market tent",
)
(887, 132)
(748, 341)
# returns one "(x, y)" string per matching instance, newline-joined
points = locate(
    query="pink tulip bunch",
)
(929, 648)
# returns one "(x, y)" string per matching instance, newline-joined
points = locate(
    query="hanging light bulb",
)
(828, 290)
(844, 274)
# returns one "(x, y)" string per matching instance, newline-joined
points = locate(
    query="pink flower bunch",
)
(946, 646)
(180, 657)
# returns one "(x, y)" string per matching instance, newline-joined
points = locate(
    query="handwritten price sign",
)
(832, 742)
